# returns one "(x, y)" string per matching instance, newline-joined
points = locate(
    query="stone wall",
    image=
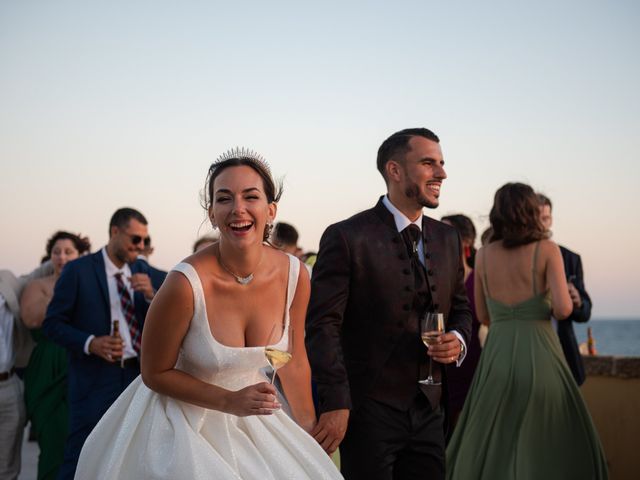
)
(612, 393)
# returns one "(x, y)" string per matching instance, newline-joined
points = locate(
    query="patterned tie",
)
(128, 308)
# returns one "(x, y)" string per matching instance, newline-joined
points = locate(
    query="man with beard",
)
(376, 275)
(91, 292)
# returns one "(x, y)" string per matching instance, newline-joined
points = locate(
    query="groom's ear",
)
(393, 170)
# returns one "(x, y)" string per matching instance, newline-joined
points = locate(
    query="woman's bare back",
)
(514, 275)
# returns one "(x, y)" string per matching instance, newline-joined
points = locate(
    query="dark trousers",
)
(86, 412)
(383, 443)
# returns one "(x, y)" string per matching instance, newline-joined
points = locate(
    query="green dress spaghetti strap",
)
(45, 394)
(524, 417)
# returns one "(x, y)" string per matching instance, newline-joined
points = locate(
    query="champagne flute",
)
(279, 358)
(431, 327)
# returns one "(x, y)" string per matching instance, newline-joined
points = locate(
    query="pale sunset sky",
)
(126, 103)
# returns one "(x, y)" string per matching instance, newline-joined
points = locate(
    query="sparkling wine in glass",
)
(278, 358)
(431, 327)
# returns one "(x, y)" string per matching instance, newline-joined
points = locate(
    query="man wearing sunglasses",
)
(90, 294)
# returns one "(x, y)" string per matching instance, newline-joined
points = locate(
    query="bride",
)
(203, 406)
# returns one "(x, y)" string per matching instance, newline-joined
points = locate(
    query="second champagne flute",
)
(431, 327)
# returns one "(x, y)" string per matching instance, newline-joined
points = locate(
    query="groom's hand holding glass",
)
(447, 350)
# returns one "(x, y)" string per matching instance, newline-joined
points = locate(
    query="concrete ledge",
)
(612, 394)
(609, 366)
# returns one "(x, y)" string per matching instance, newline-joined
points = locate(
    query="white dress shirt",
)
(403, 222)
(115, 306)
(7, 355)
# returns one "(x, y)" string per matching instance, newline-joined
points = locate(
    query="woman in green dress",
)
(524, 416)
(46, 375)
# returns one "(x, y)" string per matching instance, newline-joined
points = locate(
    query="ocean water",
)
(612, 337)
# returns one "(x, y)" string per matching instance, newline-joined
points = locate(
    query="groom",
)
(376, 274)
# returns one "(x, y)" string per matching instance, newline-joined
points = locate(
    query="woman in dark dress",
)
(459, 378)
(46, 375)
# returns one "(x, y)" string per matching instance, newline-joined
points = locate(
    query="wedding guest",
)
(12, 410)
(376, 275)
(91, 292)
(204, 242)
(459, 378)
(203, 406)
(483, 331)
(486, 236)
(15, 347)
(45, 378)
(524, 416)
(579, 297)
(285, 237)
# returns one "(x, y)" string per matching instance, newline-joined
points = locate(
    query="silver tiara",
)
(244, 153)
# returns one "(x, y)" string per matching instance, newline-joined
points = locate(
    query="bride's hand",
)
(259, 399)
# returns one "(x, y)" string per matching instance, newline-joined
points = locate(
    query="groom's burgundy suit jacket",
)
(360, 307)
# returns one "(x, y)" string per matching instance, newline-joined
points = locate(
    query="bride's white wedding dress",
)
(146, 435)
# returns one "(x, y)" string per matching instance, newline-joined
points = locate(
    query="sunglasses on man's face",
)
(137, 239)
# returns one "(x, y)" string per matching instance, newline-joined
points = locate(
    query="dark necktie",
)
(412, 236)
(129, 311)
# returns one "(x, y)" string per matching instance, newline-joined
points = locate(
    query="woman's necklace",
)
(241, 280)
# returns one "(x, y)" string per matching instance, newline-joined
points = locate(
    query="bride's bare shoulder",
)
(203, 259)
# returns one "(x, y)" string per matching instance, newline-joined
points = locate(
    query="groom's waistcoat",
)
(397, 381)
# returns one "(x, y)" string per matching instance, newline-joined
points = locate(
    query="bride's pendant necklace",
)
(241, 280)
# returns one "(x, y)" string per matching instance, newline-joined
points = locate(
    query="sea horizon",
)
(611, 317)
(613, 336)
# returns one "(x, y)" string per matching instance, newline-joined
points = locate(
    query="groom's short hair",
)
(399, 143)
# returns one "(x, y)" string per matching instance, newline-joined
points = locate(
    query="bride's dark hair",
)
(272, 189)
(515, 216)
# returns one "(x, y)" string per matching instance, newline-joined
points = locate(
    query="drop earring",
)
(267, 231)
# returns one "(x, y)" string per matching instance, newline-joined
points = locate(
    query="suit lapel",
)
(385, 216)
(101, 275)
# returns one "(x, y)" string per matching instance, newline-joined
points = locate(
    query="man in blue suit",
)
(91, 292)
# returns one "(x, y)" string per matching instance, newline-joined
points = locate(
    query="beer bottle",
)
(116, 334)
(591, 343)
